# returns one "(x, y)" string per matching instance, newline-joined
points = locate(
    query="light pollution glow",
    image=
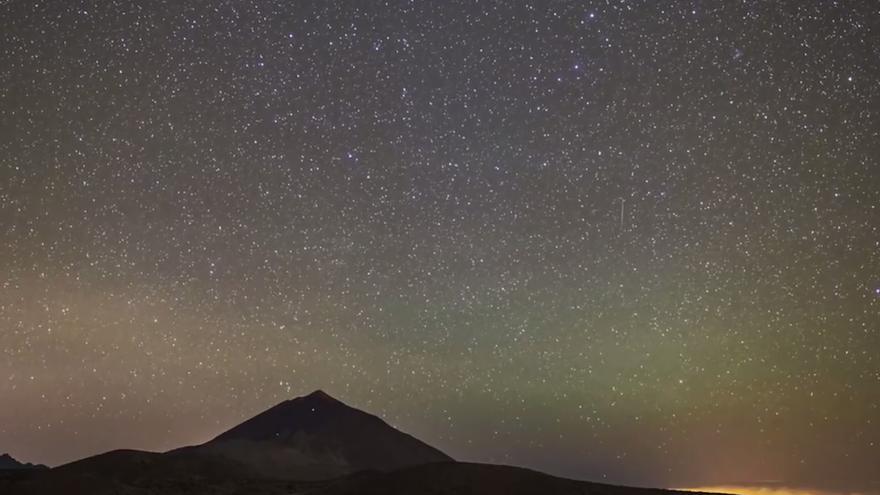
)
(767, 490)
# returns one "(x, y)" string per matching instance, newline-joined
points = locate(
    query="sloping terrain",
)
(309, 445)
(450, 478)
(7, 462)
(318, 437)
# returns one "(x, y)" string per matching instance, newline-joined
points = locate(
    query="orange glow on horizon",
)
(764, 490)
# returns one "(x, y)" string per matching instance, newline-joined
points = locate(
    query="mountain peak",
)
(320, 396)
(319, 436)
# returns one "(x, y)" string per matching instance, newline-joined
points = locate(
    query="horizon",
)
(739, 487)
(629, 241)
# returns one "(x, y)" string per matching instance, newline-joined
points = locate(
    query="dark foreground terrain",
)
(309, 445)
(429, 479)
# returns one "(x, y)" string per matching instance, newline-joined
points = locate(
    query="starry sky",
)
(622, 240)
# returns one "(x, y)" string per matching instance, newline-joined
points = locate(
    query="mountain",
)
(318, 437)
(446, 478)
(7, 462)
(468, 478)
(313, 444)
(133, 472)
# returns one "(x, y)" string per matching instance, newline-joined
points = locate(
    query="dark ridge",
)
(319, 437)
(454, 478)
(7, 462)
(312, 444)
(302, 413)
(321, 396)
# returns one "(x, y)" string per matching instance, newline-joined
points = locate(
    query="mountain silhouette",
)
(318, 437)
(7, 462)
(313, 444)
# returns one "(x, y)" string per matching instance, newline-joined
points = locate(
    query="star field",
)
(633, 241)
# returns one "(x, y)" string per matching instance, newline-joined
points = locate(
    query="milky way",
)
(633, 241)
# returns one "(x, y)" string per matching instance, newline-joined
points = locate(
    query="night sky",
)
(633, 241)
